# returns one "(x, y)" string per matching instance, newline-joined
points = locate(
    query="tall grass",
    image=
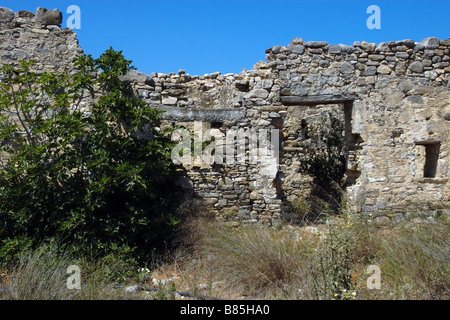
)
(253, 259)
(415, 262)
(41, 274)
(329, 262)
(326, 261)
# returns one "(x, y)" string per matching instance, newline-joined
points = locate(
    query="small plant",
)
(166, 291)
(345, 295)
(335, 263)
(144, 275)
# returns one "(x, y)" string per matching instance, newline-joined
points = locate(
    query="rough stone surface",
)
(316, 44)
(6, 15)
(416, 66)
(136, 76)
(48, 17)
(347, 67)
(430, 43)
(296, 48)
(258, 93)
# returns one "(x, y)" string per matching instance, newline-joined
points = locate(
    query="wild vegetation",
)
(92, 179)
(329, 260)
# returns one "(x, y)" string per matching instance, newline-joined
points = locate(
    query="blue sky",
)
(204, 36)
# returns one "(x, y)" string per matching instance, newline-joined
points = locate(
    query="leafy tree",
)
(85, 162)
(325, 157)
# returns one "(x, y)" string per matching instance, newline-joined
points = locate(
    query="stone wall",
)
(37, 36)
(394, 98)
(26, 35)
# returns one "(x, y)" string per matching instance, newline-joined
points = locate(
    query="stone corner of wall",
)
(42, 16)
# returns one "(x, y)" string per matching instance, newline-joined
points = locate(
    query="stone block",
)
(430, 43)
(316, 44)
(334, 49)
(402, 55)
(6, 15)
(169, 100)
(416, 66)
(258, 94)
(48, 17)
(347, 67)
(296, 48)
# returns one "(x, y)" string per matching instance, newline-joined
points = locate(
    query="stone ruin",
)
(394, 99)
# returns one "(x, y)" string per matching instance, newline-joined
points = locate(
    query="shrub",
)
(98, 177)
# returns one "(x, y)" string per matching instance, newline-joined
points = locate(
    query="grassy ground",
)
(328, 260)
(331, 260)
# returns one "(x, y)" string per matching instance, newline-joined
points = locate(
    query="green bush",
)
(325, 154)
(99, 177)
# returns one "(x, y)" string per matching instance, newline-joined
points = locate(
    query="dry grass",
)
(323, 261)
(42, 275)
(415, 262)
(328, 261)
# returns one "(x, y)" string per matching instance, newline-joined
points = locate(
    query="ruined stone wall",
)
(37, 36)
(394, 98)
(240, 192)
(400, 102)
(26, 35)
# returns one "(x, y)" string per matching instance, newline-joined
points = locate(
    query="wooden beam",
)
(427, 142)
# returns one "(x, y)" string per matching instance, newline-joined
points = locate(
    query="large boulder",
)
(135, 76)
(430, 43)
(48, 17)
(6, 15)
(416, 66)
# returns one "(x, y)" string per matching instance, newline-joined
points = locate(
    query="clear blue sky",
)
(204, 36)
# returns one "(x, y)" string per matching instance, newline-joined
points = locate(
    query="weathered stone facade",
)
(26, 35)
(394, 98)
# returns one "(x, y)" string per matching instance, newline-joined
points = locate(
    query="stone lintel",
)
(197, 114)
(317, 99)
